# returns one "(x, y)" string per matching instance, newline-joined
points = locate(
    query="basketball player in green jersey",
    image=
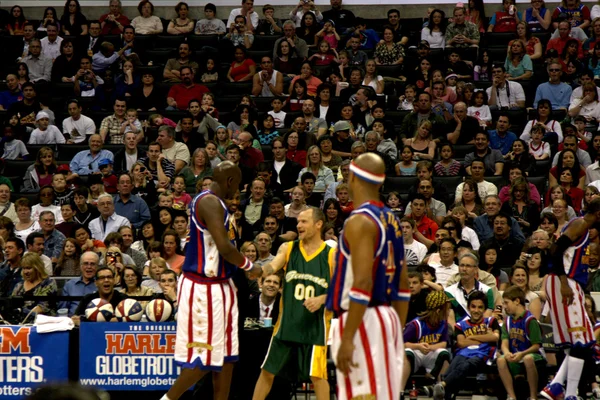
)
(298, 347)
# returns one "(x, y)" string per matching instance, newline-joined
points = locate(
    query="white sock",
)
(165, 397)
(561, 374)
(573, 376)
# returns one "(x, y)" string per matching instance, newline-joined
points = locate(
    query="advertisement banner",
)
(29, 359)
(128, 356)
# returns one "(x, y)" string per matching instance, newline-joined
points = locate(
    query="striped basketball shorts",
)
(207, 324)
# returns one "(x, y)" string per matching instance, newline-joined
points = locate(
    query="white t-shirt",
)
(279, 118)
(278, 165)
(553, 125)
(516, 94)
(414, 253)
(238, 11)
(130, 160)
(83, 127)
(51, 135)
(543, 148)
(482, 113)
(14, 149)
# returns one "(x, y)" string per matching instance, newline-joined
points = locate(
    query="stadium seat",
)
(236, 89)
(392, 71)
(542, 168)
(257, 55)
(33, 149)
(499, 181)
(265, 42)
(267, 151)
(158, 56)
(68, 151)
(16, 181)
(32, 197)
(499, 39)
(16, 167)
(199, 42)
(541, 183)
(170, 42)
(263, 103)
(460, 151)
(449, 182)
(399, 183)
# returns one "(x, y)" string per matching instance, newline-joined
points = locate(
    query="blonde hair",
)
(35, 261)
(427, 124)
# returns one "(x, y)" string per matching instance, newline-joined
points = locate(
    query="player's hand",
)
(567, 294)
(76, 320)
(344, 357)
(255, 273)
(313, 304)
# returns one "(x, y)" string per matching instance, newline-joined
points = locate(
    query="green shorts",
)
(296, 361)
(519, 368)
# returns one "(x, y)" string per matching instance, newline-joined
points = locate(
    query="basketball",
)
(159, 310)
(129, 310)
(99, 310)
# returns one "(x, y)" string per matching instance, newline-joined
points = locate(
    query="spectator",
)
(108, 221)
(516, 171)
(161, 169)
(172, 250)
(533, 46)
(148, 97)
(461, 33)
(463, 128)
(483, 225)
(314, 164)
(210, 25)
(90, 44)
(518, 64)
(86, 162)
(40, 66)
(36, 282)
(343, 19)
(176, 152)
(285, 171)
(250, 157)
(242, 69)
(51, 44)
(133, 208)
(50, 16)
(10, 270)
(128, 40)
(269, 25)
(13, 93)
(435, 31)
(53, 239)
(40, 173)
(182, 24)
(28, 35)
(181, 94)
(575, 13)
(409, 123)
(557, 92)
(388, 52)
(267, 82)
(299, 46)
(86, 81)
(470, 199)
(105, 281)
(16, 22)
(400, 33)
(106, 57)
(66, 65)
(507, 19)
(504, 94)
(426, 227)
(502, 138)
(111, 125)
(559, 43)
(45, 133)
(510, 246)
(114, 21)
(78, 127)
(73, 22)
(239, 34)
(171, 72)
(537, 18)
(588, 106)
(247, 11)
(484, 187)
(521, 207)
(303, 8)
(146, 23)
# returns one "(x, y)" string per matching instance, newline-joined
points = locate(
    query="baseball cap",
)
(104, 162)
(423, 43)
(341, 126)
(40, 115)
(452, 76)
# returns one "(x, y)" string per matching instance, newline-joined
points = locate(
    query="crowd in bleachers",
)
(488, 127)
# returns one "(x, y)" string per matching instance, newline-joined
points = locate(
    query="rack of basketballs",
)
(130, 310)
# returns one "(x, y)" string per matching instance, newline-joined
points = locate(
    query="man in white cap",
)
(45, 133)
(342, 144)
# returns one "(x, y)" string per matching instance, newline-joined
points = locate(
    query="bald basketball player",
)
(209, 343)
(369, 291)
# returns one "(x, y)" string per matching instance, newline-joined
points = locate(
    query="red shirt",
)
(111, 28)
(298, 156)
(427, 227)
(559, 44)
(184, 95)
(251, 157)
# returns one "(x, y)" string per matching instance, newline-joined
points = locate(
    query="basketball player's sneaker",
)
(553, 391)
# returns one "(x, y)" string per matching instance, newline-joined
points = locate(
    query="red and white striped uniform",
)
(378, 353)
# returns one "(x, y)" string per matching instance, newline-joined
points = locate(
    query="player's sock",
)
(561, 374)
(165, 397)
(573, 375)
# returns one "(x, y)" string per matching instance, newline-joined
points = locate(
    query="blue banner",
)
(127, 356)
(29, 359)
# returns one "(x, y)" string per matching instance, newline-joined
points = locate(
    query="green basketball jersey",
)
(305, 277)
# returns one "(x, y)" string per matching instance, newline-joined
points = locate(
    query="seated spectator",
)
(501, 138)
(461, 33)
(159, 167)
(113, 22)
(50, 16)
(305, 7)
(89, 44)
(434, 32)
(36, 282)
(314, 164)
(108, 221)
(516, 171)
(182, 24)
(146, 23)
(127, 81)
(521, 207)
(298, 47)
(571, 143)
(86, 162)
(470, 199)
(268, 82)
(388, 52)
(128, 40)
(504, 94)
(568, 160)
(590, 44)
(28, 35)
(533, 46)
(16, 22)
(559, 43)
(247, 11)
(269, 25)
(73, 22)
(13, 93)
(521, 156)
(483, 225)
(86, 81)
(414, 251)
(172, 250)
(493, 159)
(106, 57)
(181, 94)
(147, 97)
(356, 56)
(307, 75)
(40, 66)
(575, 13)
(242, 68)
(426, 227)
(409, 123)
(518, 64)
(505, 20)
(210, 25)
(40, 173)
(308, 28)
(82, 285)
(588, 106)
(171, 72)
(45, 133)
(175, 152)
(66, 65)
(78, 128)
(239, 34)
(462, 128)
(51, 44)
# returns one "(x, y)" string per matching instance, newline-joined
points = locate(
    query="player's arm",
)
(573, 231)
(277, 263)
(505, 347)
(361, 234)
(211, 212)
(401, 305)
